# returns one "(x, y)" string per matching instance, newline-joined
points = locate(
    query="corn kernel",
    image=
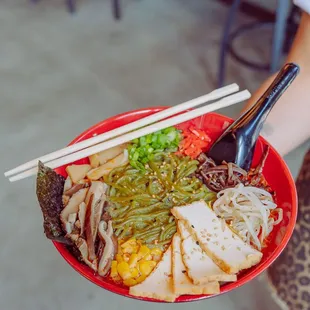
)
(156, 254)
(130, 242)
(148, 257)
(146, 267)
(123, 270)
(141, 279)
(144, 250)
(120, 242)
(126, 257)
(130, 282)
(134, 272)
(129, 249)
(119, 258)
(114, 272)
(156, 251)
(133, 260)
(118, 280)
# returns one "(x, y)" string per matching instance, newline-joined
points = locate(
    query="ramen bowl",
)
(275, 171)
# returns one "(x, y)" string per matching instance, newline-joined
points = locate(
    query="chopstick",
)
(215, 94)
(225, 102)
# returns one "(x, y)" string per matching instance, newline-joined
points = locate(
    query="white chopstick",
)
(214, 95)
(225, 102)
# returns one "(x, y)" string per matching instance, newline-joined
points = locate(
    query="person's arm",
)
(287, 125)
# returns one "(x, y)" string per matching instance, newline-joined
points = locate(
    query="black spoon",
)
(238, 141)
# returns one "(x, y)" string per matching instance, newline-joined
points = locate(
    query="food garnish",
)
(142, 150)
(140, 203)
(200, 267)
(104, 169)
(182, 283)
(250, 211)
(134, 262)
(195, 141)
(77, 172)
(102, 157)
(219, 177)
(229, 259)
(50, 186)
(159, 283)
(227, 175)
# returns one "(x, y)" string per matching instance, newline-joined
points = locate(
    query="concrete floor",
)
(59, 75)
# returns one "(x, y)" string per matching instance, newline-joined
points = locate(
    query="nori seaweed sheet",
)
(50, 187)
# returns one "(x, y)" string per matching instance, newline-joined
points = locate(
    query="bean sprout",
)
(250, 211)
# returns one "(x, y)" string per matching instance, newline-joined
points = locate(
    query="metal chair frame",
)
(279, 36)
(71, 7)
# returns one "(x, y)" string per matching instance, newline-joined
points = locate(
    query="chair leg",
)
(71, 5)
(116, 8)
(282, 13)
(224, 46)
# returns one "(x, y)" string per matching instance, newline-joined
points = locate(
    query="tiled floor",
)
(59, 75)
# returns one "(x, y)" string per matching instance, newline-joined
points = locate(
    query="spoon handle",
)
(251, 123)
(237, 143)
(282, 81)
(258, 113)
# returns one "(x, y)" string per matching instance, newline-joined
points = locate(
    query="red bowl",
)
(275, 171)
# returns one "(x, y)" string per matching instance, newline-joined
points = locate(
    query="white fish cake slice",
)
(159, 283)
(200, 267)
(182, 284)
(222, 245)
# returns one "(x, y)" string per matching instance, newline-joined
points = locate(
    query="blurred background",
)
(67, 64)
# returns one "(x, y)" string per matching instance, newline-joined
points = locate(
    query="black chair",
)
(71, 6)
(284, 28)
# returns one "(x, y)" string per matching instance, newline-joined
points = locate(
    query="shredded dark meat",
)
(227, 175)
(255, 176)
(219, 177)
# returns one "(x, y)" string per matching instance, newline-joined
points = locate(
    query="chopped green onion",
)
(142, 150)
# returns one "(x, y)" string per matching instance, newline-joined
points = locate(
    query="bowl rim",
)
(79, 267)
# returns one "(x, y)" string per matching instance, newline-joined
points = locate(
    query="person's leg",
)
(289, 275)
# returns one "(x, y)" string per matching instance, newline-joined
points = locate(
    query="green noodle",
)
(140, 202)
